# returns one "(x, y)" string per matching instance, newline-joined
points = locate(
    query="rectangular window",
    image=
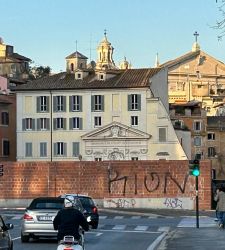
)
(76, 123)
(28, 124)
(43, 103)
(59, 123)
(76, 103)
(198, 156)
(134, 120)
(134, 158)
(59, 103)
(60, 149)
(76, 149)
(28, 149)
(134, 102)
(97, 102)
(97, 121)
(43, 149)
(211, 152)
(162, 135)
(5, 118)
(43, 123)
(5, 148)
(98, 159)
(197, 141)
(197, 126)
(211, 136)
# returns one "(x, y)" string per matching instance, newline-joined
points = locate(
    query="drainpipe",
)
(51, 124)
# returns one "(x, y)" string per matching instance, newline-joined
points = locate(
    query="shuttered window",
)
(162, 135)
(60, 149)
(134, 102)
(76, 123)
(42, 104)
(97, 103)
(59, 103)
(43, 149)
(28, 149)
(76, 149)
(76, 103)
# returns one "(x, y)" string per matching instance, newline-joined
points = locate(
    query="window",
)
(59, 103)
(76, 103)
(211, 136)
(98, 159)
(134, 158)
(180, 86)
(101, 77)
(5, 148)
(79, 76)
(28, 124)
(75, 123)
(197, 125)
(59, 149)
(59, 123)
(76, 149)
(43, 149)
(72, 67)
(43, 123)
(97, 103)
(162, 135)
(28, 149)
(42, 104)
(198, 156)
(178, 124)
(97, 121)
(134, 120)
(5, 118)
(134, 102)
(197, 141)
(211, 152)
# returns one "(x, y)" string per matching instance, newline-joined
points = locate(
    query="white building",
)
(96, 112)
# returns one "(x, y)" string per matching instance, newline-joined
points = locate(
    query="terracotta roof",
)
(76, 54)
(19, 57)
(131, 78)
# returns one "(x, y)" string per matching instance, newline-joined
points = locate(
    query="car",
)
(38, 217)
(6, 242)
(90, 209)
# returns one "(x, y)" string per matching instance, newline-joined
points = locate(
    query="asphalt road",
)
(127, 232)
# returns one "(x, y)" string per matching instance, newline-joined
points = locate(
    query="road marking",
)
(141, 228)
(156, 242)
(203, 222)
(127, 231)
(98, 234)
(135, 217)
(119, 227)
(164, 229)
(102, 217)
(16, 238)
(118, 217)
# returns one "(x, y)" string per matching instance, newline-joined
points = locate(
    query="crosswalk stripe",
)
(141, 228)
(102, 217)
(118, 217)
(135, 217)
(119, 227)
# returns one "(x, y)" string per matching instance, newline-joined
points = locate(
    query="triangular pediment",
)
(115, 130)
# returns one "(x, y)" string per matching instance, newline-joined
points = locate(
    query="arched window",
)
(81, 65)
(72, 67)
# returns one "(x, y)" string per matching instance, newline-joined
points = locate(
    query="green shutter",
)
(76, 149)
(55, 149)
(54, 123)
(70, 103)
(81, 123)
(102, 102)
(129, 102)
(38, 124)
(54, 104)
(139, 101)
(64, 149)
(64, 103)
(92, 103)
(48, 123)
(64, 123)
(33, 124)
(71, 123)
(38, 103)
(47, 103)
(80, 104)
(24, 124)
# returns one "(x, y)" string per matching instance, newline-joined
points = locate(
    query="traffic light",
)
(194, 168)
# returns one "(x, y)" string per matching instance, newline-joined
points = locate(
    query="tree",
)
(39, 72)
(220, 24)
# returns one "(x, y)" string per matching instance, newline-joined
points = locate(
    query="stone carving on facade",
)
(144, 150)
(116, 155)
(89, 151)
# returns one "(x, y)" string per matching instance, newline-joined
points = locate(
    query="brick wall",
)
(147, 180)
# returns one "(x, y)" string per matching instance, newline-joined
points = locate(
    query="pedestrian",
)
(220, 208)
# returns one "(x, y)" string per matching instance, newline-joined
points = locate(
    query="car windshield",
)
(46, 204)
(86, 201)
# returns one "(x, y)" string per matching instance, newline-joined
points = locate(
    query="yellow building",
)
(96, 111)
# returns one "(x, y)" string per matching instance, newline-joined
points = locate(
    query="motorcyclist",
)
(69, 219)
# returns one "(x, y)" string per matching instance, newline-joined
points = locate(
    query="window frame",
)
(97, 121)
(134, 120)
(5, 148)
(5, 118)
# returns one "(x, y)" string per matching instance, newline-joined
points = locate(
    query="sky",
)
(46, 31)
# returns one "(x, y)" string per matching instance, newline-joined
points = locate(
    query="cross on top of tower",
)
(105, 32)
(196, 36)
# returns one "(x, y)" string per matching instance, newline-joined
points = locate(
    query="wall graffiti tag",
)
(152, 181)
(121, 203)
(173, 203)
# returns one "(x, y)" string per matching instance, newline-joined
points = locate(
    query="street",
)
(114, 232)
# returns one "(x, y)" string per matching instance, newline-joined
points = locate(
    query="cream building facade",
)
(96, 112)
(197, 76)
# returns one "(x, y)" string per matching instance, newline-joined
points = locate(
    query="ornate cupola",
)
(105, 52)
(76, 61)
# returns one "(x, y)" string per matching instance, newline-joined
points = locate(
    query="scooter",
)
(69, 243)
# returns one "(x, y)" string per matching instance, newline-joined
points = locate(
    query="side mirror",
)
(9, 226)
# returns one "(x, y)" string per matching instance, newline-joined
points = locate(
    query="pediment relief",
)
(116, 130)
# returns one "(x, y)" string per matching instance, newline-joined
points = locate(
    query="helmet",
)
(69, 201)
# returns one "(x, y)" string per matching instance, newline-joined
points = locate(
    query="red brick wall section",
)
(117, 179)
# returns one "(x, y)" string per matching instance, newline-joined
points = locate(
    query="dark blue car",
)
(5, 238)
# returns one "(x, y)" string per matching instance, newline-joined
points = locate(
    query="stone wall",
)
(147, 184)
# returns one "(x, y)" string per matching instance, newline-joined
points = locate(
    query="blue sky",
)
(46, 30)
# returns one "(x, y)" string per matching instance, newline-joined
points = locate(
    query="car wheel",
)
(95, 225)
(25, 238)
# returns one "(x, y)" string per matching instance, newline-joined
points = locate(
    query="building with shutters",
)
(98, 112)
